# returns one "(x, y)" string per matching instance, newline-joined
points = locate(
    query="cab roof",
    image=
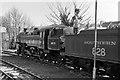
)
(52, 26)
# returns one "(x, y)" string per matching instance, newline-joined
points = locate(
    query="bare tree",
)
(62, 14)
(14, 21)
(5, 23)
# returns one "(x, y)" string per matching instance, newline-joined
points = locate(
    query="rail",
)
(18, 69)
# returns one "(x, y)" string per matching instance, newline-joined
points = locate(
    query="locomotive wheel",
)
(41, 57)
(27, 53)
(75, 64)
(32, 51)
(22, 50)
(40, 52)
(58, 57)
(54, 57)
(65, 60)
(24, 53)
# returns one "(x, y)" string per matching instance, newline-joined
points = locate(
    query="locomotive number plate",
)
(99, 51)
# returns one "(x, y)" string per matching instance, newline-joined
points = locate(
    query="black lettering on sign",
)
(111, 43)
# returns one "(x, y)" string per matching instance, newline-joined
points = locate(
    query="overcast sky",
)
(37, 10)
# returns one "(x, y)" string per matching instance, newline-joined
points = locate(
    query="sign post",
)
(95, 46)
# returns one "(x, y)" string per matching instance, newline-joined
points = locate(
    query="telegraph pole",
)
(95, 46)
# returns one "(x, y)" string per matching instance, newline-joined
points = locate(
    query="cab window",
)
(43, 33)
(56, 32)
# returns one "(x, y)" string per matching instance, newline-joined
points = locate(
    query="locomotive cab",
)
(54, 39)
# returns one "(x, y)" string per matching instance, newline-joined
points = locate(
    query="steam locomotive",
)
(58, 43)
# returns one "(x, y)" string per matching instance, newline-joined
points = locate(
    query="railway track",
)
(9, 71)
(5, 76)
(13, 53)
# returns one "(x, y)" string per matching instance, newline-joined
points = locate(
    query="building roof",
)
(108, 24)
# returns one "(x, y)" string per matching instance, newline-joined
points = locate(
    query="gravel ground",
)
(42, 69)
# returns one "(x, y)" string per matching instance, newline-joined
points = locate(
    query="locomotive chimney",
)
(25, 30)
